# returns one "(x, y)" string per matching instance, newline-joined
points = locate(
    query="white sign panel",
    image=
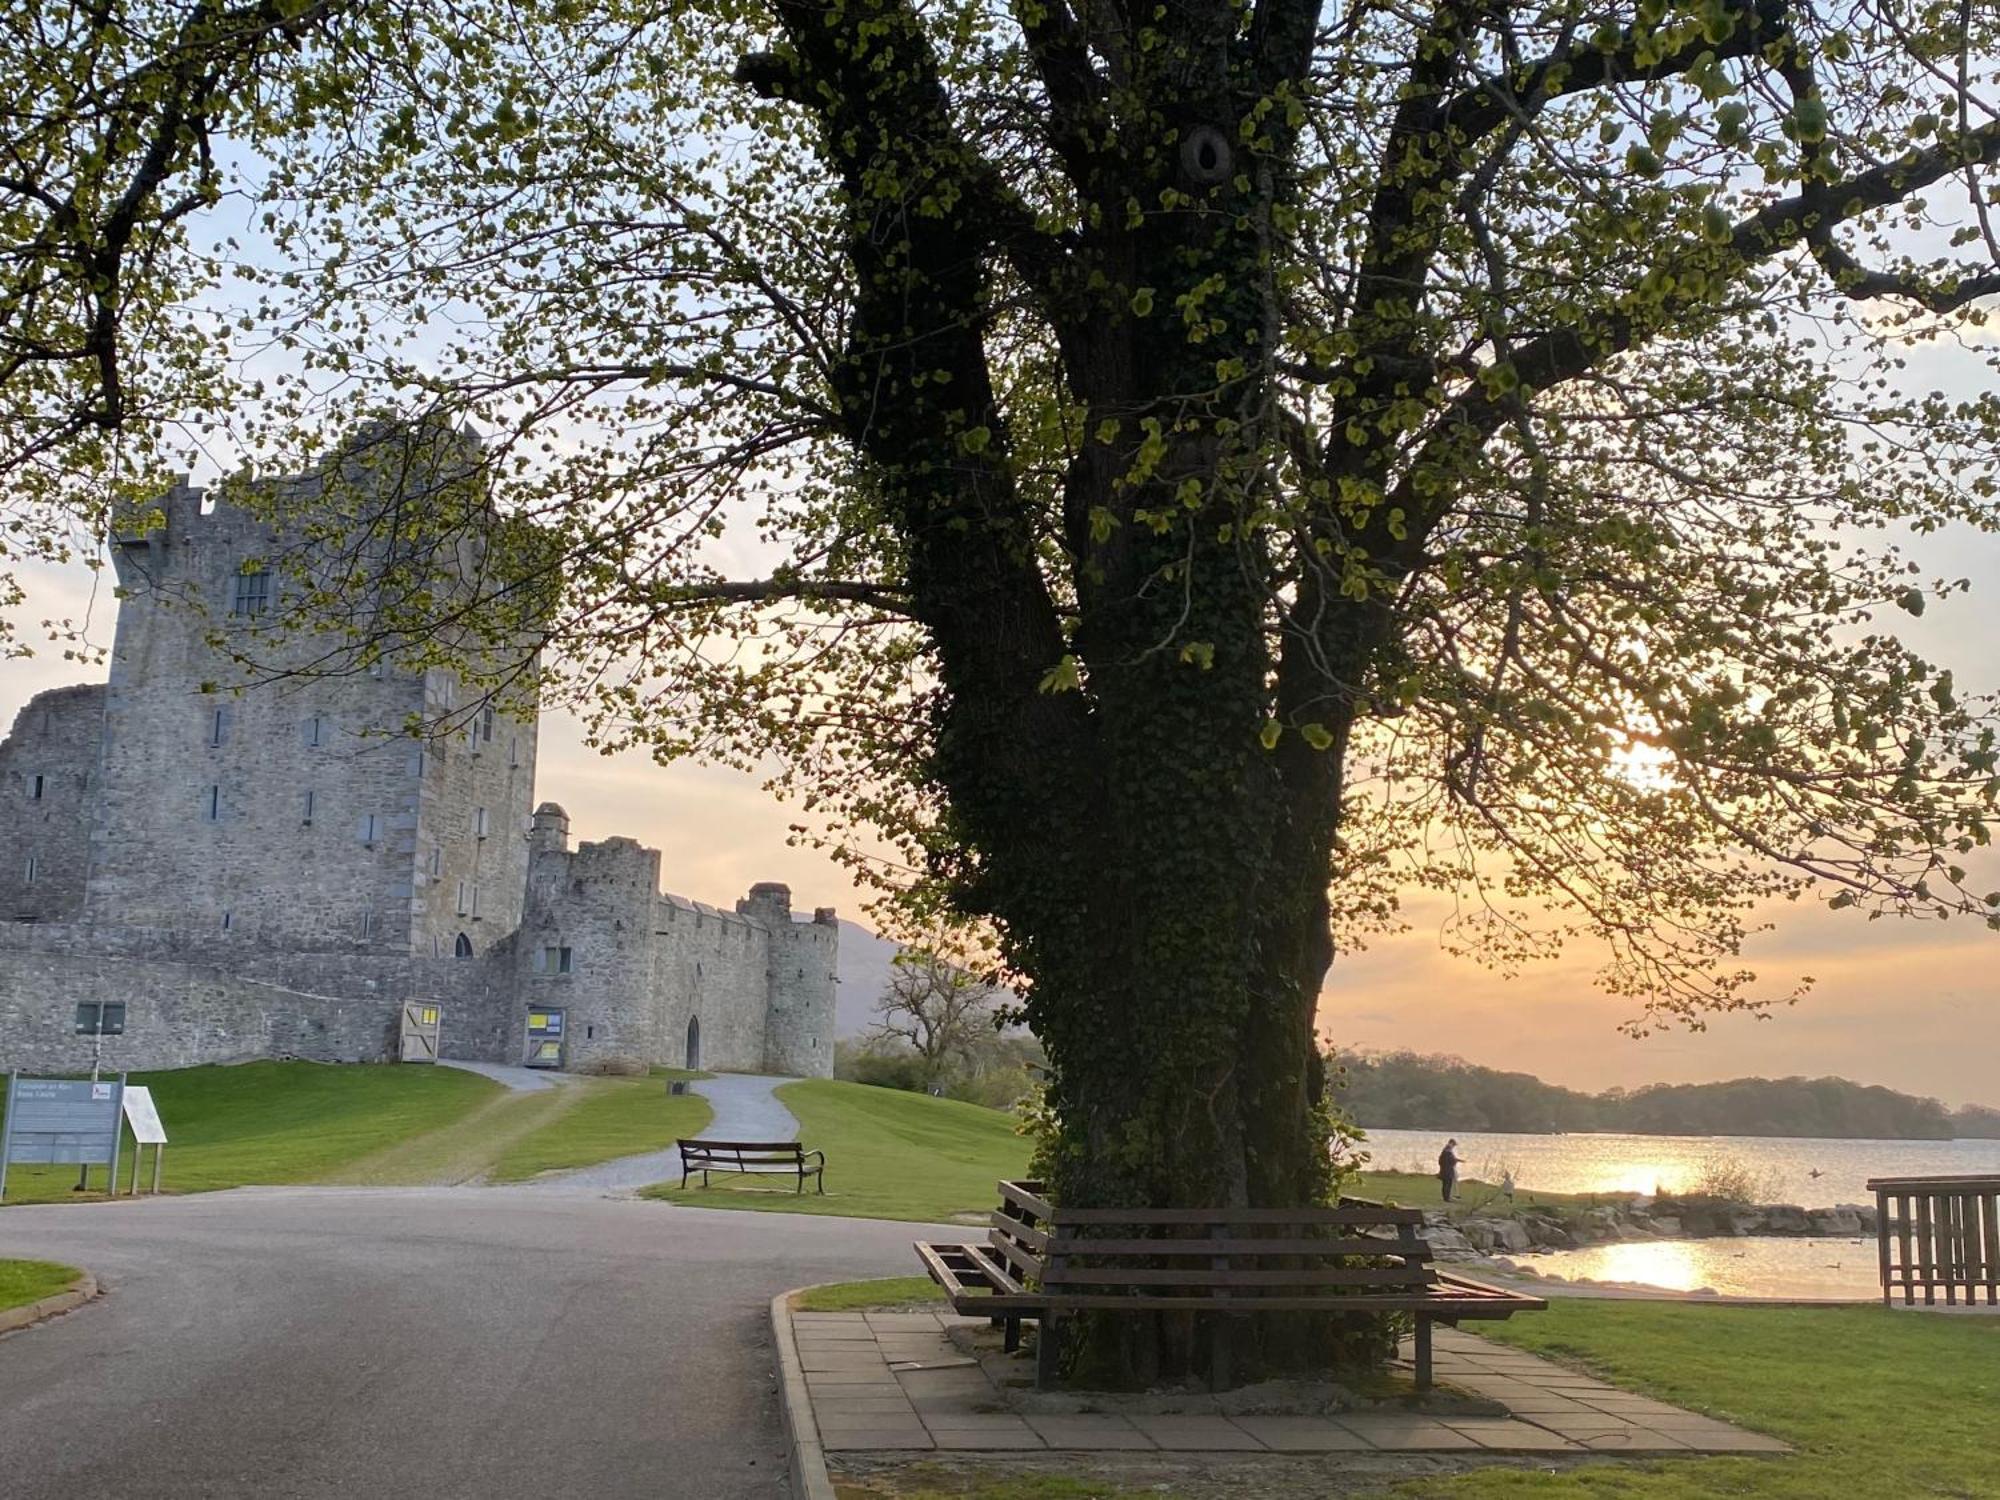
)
(144, 1116)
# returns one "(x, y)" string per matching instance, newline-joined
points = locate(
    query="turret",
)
(548, 831)
(770, 903)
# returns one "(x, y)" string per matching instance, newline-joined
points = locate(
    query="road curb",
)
(810, 1480)
(80, 1291)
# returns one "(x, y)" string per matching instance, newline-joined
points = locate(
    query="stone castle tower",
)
(272, 863)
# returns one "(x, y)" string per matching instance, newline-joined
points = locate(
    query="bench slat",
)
(1302, 1247)
(1071, 1274)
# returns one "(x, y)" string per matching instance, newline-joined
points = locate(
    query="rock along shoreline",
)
(1525, 1230)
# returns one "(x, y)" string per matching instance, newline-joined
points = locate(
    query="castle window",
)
(475, 901)
(437, 946)
(228, 920)
(368, 924)
(314, 727)
(486, 723)
(479, 823)
(552, 960)
(464, 899)
(311, 798)
(514, 751)
(34, 868)
(463, 948)
(437, 859)
(218, 727)
(253, 593)
(212, 803)
(100, 1018)
(371, 827)
(37, 784)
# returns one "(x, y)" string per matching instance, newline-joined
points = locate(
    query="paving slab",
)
(1090, 1432)
(895, 1381)
(1304, 1435)
(1188, 1432)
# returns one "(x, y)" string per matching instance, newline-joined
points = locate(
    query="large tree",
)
(1161, 479)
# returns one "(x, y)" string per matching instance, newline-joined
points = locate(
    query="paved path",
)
(746, 1109)
(883, 1382)
(458, 1344)
(520, 1080)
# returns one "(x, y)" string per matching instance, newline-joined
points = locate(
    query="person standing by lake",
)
(1448, 1167)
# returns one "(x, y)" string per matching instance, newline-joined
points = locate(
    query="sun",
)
(1644, 766)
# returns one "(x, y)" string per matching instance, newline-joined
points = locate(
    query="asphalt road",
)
(424, 1342)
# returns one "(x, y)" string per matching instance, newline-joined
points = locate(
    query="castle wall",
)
(287, 810)
(475, 793)
(798, 983)
(48, 777)
(200, 998)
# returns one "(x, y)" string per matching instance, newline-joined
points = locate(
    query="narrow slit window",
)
(218, 727)
(309, 804)
(212, 804)
(480, 826)
(37, 785)
(486, 724)
(314, 728)
(34, 869)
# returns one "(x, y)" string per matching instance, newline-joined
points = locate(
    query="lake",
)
(1674, 1163)
(1756, 1267)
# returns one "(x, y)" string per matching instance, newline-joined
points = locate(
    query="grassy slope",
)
(889, 1155)
(271, 1122)
(25, 1281)
(856, 1296)
(605, 1118)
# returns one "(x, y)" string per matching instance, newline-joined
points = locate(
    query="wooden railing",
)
(1939, 1234)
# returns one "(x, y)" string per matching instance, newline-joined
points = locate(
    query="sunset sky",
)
(1904, 1004)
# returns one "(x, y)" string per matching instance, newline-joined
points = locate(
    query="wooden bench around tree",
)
(781, 1158)
(1044, 1262)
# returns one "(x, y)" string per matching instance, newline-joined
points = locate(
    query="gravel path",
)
(520, 1080)
(746, 1109)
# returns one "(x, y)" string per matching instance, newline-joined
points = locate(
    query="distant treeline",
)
(1403, 1091)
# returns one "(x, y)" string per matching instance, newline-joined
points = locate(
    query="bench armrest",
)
(820, 1154)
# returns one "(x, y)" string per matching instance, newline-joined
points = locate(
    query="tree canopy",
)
(1175, 476)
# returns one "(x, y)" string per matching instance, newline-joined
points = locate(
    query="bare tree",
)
(935, 1006)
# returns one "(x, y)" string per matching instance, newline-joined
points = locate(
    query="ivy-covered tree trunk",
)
(1157, 867)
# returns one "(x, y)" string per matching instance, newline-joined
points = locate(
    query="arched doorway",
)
(694, 1042)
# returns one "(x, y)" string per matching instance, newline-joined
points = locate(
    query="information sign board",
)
(61, 1121)
(144, 1116)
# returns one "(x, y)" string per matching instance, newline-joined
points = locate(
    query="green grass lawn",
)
(605, 1118)
(855, 1296)
(25, 1281)
(275, 1122)
(890, 1154)
(1890, 1403)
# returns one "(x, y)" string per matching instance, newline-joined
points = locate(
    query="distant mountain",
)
(1404, 1091)
(864, 972)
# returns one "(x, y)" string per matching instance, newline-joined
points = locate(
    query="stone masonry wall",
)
(215, 796)
(206, 999)
(48, 780)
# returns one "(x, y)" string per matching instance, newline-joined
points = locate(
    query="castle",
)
(276, 866)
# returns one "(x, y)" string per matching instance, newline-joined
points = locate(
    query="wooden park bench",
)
(1939, 1234)
(753, 1157)
(1043, 1262)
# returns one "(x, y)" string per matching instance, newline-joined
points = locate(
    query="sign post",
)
(61, 1121)
(143, 1115)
